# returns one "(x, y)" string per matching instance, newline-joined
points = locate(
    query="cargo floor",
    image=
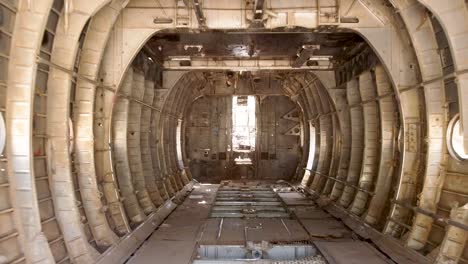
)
(258, 217)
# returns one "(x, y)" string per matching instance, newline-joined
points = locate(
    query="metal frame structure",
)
(380, 131)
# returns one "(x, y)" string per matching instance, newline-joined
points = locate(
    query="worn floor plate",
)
(175, 240)
(350, 252)
(323, 228)
(191, 226)
(269, 229)
(310, 212)
(234, 201)
(294, 199)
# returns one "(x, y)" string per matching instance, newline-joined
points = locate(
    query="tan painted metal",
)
(426, 48)
(453, 17)
(388, 131)
(357, 143)
(9, 236)
(312, 111)
(30, 23)
(345, 155)
(58, 110)
(157, 103)
(454, 242)
(91, 55)
(326, 142)
(122, 165)
(405, 43)
(371, 147)
(134, 144)
(147, 165)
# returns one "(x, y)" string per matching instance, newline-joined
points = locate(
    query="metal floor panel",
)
(248, 202)
(232, 231)
(192, 235)
(310, 260)
(176, 239)
(350, 252)
(276, 252)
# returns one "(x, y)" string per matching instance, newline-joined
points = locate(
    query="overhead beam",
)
(306, 52)
(242, 65)
(199, 13)
(245, 68)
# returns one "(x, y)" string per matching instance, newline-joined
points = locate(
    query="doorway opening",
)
(244, 128)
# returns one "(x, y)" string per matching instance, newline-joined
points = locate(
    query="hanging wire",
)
(162, 8)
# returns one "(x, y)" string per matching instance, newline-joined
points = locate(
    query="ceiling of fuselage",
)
(224, 45)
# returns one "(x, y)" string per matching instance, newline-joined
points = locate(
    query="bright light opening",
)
(243, 127)
(310, 159)
(455, 140)
(243, 123)
(180, 161)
